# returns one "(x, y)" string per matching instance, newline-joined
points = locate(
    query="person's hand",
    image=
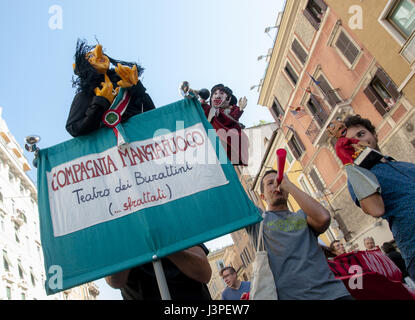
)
(345, 150)
(360, 146)
(107, 90)
(129, 76)
(242, 103)
(285, 184)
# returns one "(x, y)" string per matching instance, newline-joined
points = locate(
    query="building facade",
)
(319, 71)
(216, 284)
(22, 271)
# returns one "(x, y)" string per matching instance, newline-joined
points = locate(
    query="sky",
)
(202, 41)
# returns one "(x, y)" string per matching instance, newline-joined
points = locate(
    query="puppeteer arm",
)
(366, 189)
(373, 205)
(193, 263)
(318, 218)
(236, 113)
(140, 97)
(118, 280)
(86, 114)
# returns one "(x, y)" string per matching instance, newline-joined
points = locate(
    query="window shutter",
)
(276, 108)
(291, 73)
(321, 4)
(296, 145)
(389, 84)
(347, 48)
(293, 149)
(299, 51)
(311, 19)
(317, 110)
(373, 98)
(328, 91)
(299, 142)
(319, 185)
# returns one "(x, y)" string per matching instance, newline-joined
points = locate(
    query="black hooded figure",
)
(88, 108)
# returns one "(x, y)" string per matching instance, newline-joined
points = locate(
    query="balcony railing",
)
(9, 277)
(93, 290)
(316, 130)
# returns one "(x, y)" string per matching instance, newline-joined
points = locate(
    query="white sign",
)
(104, 186)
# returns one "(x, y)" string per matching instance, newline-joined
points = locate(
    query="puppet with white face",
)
(223, 113)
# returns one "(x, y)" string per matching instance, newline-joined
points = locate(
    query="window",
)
(21, 215)
(6, 261)
(289, 156)
(304, 186)
(32, 277)
(39, 252)
(328, 91)
(317, 111)
(402, 17)
(20, 268)
(27, 243)
(382, 92)
(248, 256)
(299, 51)
(314, 12)
(296, 146)
(408, 52)
(245, 264)
(253, 196)
(16, 235)
(398, 19)
(220, 264)
(9, 293)
(291, 73)
(316, 179)
(277, 110)
(347, 48)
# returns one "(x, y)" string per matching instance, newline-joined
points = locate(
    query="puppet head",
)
(337, 129)
(222, 97)
(91, 64)
(98, 60)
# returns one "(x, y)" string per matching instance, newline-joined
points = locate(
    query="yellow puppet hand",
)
(129, 76)
(107, 90)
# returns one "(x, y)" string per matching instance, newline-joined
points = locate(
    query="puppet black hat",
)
(227, 90)
(87, 77)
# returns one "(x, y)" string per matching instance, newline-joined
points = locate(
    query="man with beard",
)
(394, 200)
(298, 264)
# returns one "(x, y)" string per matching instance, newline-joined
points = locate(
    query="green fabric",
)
(115, 245)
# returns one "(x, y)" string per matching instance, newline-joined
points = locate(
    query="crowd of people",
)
(298, 263)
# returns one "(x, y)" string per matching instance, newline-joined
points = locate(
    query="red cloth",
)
(245, 296)
(379, 277)
(345, 150)
(229, 131)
